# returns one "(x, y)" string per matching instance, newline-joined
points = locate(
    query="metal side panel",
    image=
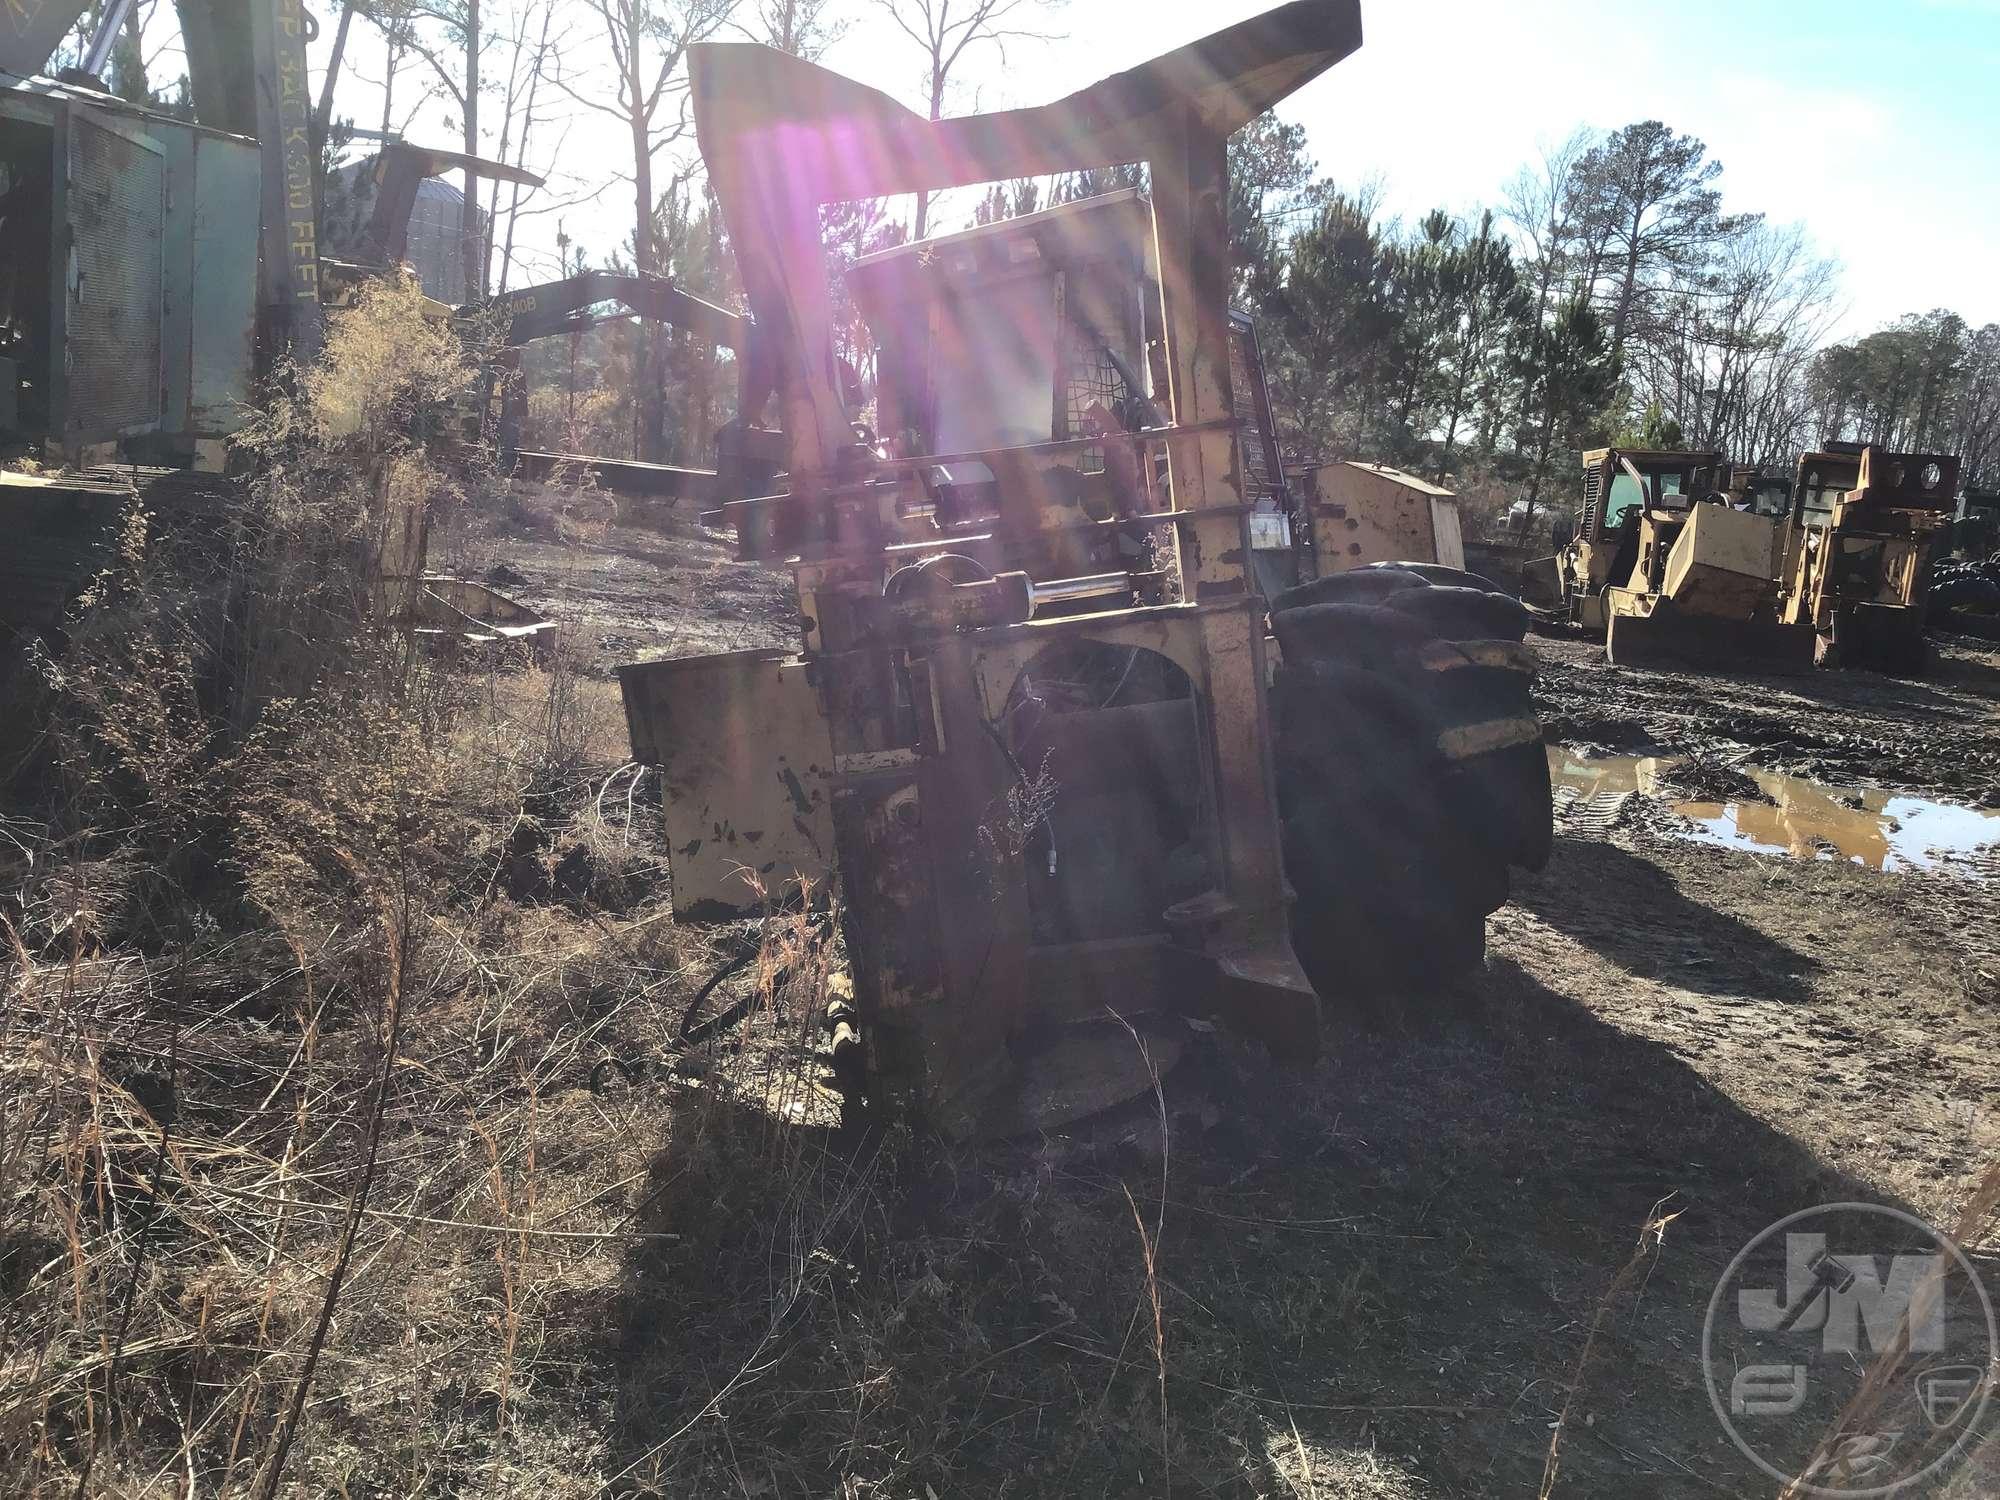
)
(227, 185)
(1450, 541)
(1362, 517)
(110, 228)
(1729, 552)
(746, 772)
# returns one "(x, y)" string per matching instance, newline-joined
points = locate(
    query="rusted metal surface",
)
(746, 774)
(221, 290)
(209, 297)
(110, 216)
(140, 327)
(172, 315)
(1363, 513)
(1190, 184)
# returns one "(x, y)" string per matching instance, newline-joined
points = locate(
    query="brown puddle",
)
(1888, 831)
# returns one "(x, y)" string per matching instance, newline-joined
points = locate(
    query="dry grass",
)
(314, 952)
(369, 1126)
(1632, 1274)
(340, 1179)
(182, 1188)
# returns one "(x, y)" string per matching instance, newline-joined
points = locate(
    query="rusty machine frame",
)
(948, 680)
(1865, 523)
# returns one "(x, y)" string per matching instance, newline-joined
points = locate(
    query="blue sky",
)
(1876, 126)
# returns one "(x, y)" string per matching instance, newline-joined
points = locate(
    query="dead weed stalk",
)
(1645, 1250)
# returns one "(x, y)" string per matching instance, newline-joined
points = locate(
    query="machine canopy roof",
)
(848, 141)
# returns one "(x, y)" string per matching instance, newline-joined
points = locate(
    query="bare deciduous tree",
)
(1731, 343)
(1537, 203)
(323, 114)
(648, 41)
(947, 30)
(532, 56)
(458, 79)
(804, 28)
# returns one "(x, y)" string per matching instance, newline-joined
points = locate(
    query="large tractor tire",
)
(1435, 573)
(1361, 586)
(1465, 614)
(1410, 773)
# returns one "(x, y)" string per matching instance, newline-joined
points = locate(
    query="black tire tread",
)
(1398, 850)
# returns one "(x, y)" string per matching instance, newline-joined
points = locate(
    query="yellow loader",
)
(1864, 525)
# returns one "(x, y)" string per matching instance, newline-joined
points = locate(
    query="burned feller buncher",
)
(1037, 730)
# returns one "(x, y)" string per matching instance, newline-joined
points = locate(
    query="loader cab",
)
(1767, 495)
(1000, 342)
(1976, 530)
(1823, 481)
(1621, 487)
(1636, 481)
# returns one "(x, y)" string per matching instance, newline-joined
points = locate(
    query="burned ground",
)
(601, 1256)
(630, 580)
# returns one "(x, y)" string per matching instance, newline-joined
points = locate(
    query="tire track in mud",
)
(1938, 736)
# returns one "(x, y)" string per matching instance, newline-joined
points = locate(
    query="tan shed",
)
(1370, 513)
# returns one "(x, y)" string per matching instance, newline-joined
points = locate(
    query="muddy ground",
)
(1376, 1276)
(1939, 736)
